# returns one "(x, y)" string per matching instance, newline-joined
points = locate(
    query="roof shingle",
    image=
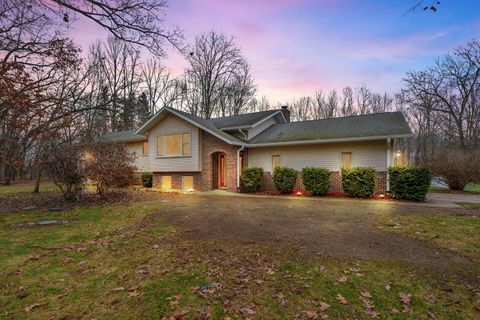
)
(368, 125)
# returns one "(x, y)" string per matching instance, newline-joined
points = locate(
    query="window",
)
(186, 143)
(187, 183)
(166, 183)
(275, 162)
(346, 160)
(160, 146)
(145, 148)
(178, 144)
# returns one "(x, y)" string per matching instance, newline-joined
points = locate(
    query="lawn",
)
(129, 262)
(25, 188)
(456, 233)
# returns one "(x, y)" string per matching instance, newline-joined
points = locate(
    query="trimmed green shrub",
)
(359, 181)
(410, 183)
(252, 179)
(284, 179)
(147, 179)
(316, 180)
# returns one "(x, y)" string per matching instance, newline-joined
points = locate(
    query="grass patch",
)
(457, 233)
(26, 188)
(472, 187)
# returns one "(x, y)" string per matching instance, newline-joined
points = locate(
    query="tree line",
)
(50, 96)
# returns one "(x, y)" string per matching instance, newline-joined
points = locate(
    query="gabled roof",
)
(122, 136)
(365, 127)
(247, 120)
(353, 128)
(197, 121)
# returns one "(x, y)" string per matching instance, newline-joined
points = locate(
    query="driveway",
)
(331, 228)
(450, 199)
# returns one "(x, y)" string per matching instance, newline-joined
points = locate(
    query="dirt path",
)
(343, 229)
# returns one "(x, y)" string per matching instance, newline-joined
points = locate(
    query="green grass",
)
(472, 187)
(26, 188)
(125, 262)
(457, 233)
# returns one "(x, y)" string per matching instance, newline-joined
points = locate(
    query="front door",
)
(221, 171)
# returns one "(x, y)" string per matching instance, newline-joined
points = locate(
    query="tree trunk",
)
(37, 181)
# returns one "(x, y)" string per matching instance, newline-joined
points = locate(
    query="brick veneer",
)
(204, 180)
(335, 182)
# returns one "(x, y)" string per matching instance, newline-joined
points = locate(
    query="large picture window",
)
(178, 144)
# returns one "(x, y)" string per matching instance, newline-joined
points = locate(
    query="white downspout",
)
(389, 163)
(238, 160)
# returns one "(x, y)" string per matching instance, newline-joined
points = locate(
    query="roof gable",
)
(246, 120)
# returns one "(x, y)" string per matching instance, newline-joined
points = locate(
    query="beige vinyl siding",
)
(264, 125)
(172, 125)
(141, 161)
(327, 155)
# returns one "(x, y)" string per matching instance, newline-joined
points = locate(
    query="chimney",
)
(286, 112)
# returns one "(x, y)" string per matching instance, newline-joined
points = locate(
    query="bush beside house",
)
(316, 180)
(359, 181)
(410, 183)
(147, 179)
(284, 179)
(252, 179)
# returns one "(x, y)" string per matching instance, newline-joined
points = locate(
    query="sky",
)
(298, 46)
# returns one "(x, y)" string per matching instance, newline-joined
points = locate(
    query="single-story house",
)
(188, 153)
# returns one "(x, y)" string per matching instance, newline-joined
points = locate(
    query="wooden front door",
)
(221, 171)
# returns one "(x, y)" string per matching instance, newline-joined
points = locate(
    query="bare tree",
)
(215, 64)
(450, 90)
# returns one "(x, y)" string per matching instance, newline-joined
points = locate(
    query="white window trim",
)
(164, 140)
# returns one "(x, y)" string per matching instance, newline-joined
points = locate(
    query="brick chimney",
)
(286, 112)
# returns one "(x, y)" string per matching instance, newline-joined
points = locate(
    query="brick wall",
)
(335, 182)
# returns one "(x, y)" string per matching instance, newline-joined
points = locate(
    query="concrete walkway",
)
(438, 200)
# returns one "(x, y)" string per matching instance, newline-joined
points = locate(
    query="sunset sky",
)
(296, 47)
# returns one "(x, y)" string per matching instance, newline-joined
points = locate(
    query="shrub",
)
(316, 180)
(252, 179)
(64, 166)
(409, 183)
(456, 167)
(284, 179)
(147, 179)
(359, 182)
(108, 165)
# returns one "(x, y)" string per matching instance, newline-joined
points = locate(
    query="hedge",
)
(284, 179)
(409, 183)
(359, 181)
(252, 179)
(316, 180)
(147, 179)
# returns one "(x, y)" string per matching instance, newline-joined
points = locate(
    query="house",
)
(185, 152)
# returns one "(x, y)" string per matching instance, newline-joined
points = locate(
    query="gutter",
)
(238, 159)
(319, 141)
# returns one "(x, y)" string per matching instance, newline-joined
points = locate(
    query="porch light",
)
(381, 195)
(398, 153)
(299, 193)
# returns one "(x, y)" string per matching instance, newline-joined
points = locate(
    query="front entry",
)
(219, 169)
